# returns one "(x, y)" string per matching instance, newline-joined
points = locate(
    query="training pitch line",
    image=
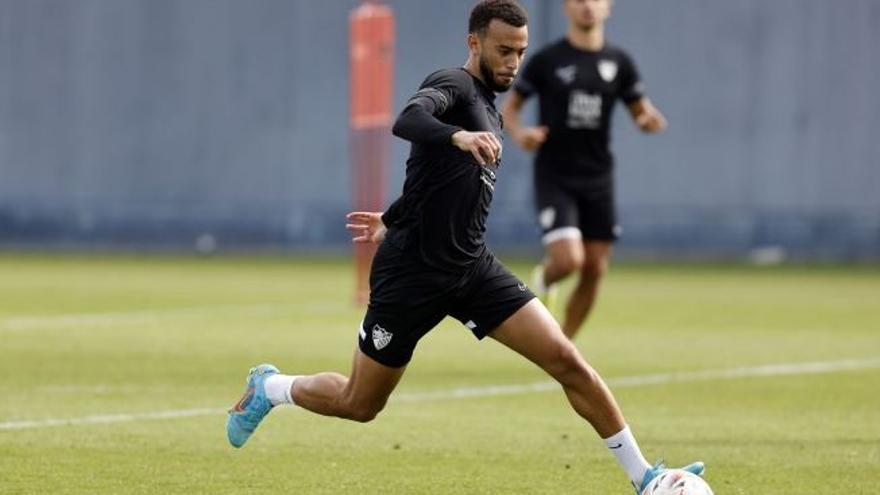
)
(768, 370)
(78, 321)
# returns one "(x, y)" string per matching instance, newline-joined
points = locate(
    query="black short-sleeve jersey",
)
(441, 215)
(577, 90)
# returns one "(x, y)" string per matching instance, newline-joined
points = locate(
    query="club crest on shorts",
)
(608, 70)
(546, 217)
(381, 337)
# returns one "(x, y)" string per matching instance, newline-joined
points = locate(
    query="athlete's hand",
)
(366, 227)
(484, 146)
(647, 116)
(531, 138)
(651, 121)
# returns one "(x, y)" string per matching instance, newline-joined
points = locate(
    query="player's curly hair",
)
(508, 11)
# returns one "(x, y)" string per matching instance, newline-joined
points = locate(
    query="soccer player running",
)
(578, 79)
(432, 260)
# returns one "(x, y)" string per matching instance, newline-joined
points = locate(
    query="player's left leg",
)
(499, 305)
(533, 333)
(597, 257)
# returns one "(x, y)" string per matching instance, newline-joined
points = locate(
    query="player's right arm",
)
(366, 227)
(418, 122)
(528, 138)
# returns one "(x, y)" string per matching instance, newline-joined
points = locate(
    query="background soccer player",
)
(432, 260)
(578, 79)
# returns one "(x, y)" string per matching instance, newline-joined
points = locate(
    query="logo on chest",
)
(607, 69)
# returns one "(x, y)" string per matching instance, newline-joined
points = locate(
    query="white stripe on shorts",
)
(561, 233)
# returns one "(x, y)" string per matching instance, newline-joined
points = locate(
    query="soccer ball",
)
(677, 482)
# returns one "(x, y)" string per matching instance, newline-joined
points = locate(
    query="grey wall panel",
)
(153, 121)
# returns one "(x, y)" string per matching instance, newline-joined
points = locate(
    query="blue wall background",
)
(144, 123)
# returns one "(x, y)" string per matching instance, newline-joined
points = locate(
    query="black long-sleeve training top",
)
(441, 215)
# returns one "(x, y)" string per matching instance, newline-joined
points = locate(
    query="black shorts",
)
(408, 298)
(575, 211)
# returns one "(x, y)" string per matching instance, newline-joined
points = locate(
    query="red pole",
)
(371, 92)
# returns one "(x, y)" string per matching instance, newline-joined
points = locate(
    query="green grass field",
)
(95, 350)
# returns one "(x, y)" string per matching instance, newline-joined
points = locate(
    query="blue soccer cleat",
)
(696, 468)
(253, 406)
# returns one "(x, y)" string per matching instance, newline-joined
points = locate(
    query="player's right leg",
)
(563, 246)
(358, 397)
(597, 221)
(406, 301)
(564, 255)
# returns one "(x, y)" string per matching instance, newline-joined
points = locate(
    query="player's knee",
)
(570, 261)
(568, 364)
(364, 413)
(594, 268)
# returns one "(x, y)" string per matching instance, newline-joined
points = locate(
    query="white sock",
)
(278, 388)
(623, 445)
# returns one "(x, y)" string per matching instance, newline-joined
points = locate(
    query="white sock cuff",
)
(278, 388)
(621, 436)
(624, 447)
(289, 390)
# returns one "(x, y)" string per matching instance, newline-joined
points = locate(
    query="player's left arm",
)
(646, 116)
